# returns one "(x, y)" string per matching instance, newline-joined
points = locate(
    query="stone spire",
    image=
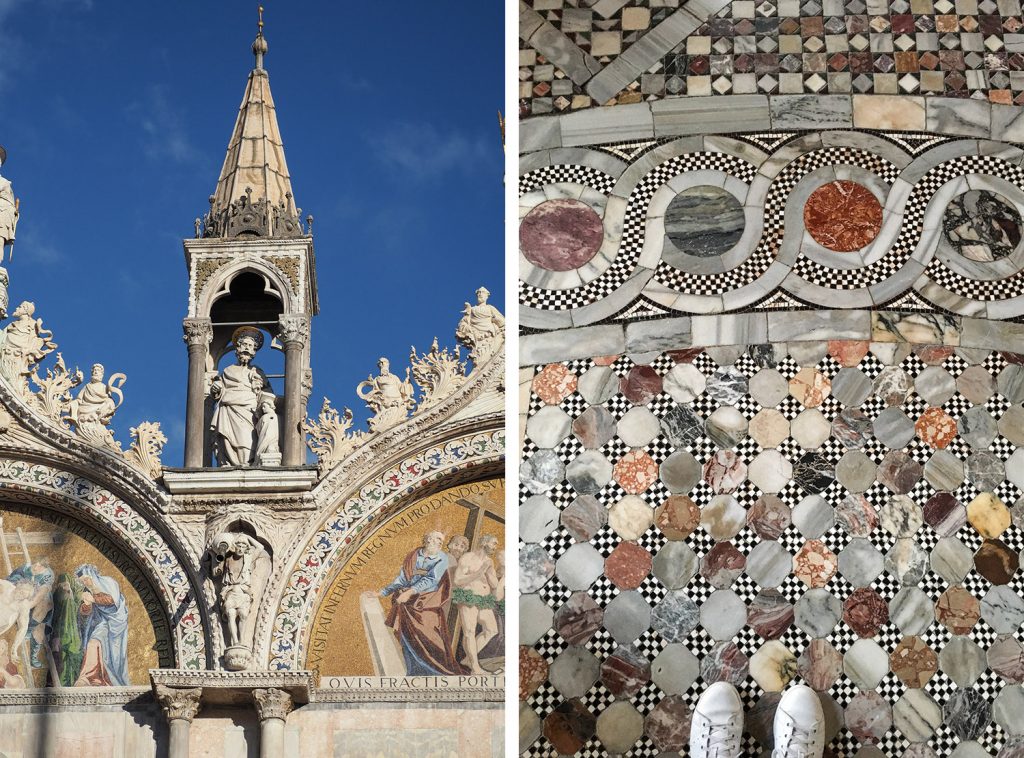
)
(254, 192)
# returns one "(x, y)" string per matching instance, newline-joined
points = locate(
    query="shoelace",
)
(722, 738)
(799, 745)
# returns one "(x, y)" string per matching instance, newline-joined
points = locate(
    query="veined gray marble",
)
(723, 614)
(866, 663)
(860, 563)
(769, 564)
(535, 618)
(535, 568)
(951, 559)
(916, 715)
(627, 616)
(703, 221)
(675, 616)
(817, 612)
(675, 565)
(680, 472)
(1003, 609)
(962, 660)
(912, 610)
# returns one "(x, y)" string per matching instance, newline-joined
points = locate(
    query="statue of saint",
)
(268, 450)
(231, 556)
(24, 344)
(481, 327)
(238, 390)
(94, 407)
(389, 397)
(8, 208)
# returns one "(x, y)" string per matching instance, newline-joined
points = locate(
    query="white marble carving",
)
(25, 343)
(147, 444)
(389, 397)
(231, 557)
(481, 328)
(8, 208)
(330, 437)
(240, 392)
(54, 397)
(91, 412)
(438, 373)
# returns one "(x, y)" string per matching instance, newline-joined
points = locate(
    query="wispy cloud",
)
(15, 51)
(423, 152)
(164, 136)
(32, 246)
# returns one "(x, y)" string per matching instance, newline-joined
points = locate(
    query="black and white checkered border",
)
(566, 174)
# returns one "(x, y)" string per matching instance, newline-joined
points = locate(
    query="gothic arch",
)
(215, 287)
(327, 543)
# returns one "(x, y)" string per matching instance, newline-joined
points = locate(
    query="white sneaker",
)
(799, 724)
(717, 725)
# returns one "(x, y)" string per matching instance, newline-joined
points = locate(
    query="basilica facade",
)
(298, 586)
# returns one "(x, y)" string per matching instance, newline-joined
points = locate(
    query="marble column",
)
(294, 334)
(272, 707)
(180, 706)
(198, 335)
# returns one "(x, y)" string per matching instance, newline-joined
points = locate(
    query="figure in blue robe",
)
(103, 618)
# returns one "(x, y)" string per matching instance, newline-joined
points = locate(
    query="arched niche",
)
(337, 533)
(95, 619)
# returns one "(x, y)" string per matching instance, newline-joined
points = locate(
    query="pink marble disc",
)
(561, 235)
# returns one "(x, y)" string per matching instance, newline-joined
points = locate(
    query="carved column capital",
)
(294, 329)
(198, 331)
(272, 703)
(178, 703)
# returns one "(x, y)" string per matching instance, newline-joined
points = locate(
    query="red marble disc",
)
(561, 235)
(843, 216)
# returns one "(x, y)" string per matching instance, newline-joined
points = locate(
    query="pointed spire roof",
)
(255, 167)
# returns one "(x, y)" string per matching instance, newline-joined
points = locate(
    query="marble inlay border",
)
(913, 175)
(753, 113)
(657, 335)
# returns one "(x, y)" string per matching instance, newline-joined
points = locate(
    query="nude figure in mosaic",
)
(476, 582)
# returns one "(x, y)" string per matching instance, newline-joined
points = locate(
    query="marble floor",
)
(846, 514)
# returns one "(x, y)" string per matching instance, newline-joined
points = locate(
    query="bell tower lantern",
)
(252, 291)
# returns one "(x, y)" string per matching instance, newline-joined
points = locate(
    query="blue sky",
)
(116, 115)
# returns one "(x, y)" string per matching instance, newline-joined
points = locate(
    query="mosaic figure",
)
(103, 623)
(476, 582)
(420, 596)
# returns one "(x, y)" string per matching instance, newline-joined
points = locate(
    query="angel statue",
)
(94, 407)
(388, 397)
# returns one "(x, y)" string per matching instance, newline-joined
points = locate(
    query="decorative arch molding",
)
(59, 488)
(212, 272)
(336, 532)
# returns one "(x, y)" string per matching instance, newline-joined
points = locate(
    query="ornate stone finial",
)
(272, 703)
(388, 397)
(179, 703)
(91, 412)
(438, 373)
(147, 445)
(54, 397)
(329, 436)
(482, 328)
(259, 46)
